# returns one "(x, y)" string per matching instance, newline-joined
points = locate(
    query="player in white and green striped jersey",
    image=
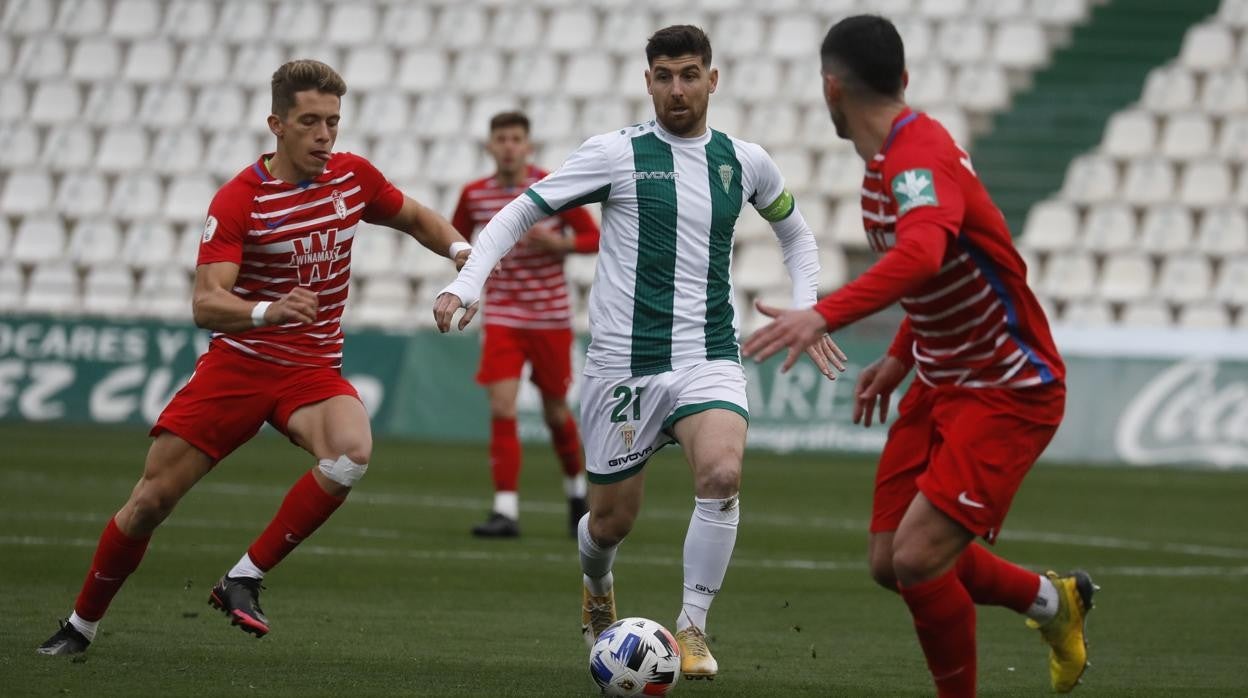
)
(664, 360)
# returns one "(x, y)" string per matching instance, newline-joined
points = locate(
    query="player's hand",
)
(445, 307)
(795, 329)
(299, 305)
(828, 357)
(461, 259)
(875, 387)
(548, 240)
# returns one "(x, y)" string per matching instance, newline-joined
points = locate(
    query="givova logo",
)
(655, 174)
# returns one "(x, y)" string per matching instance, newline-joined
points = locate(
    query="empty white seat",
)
(295, 21)
(148, 244)
(1019, 45)
(517, 28)
(847, 227)
(352, 24)
(1090, 179)
(1109, 228)
(385, 301)
(754, 80)
(1060, 12)
(1130, 134)
(53, 288)
(243, 22)
(165, 292)
(1205, 183)
(1126, 277)
(111, 103)
(40, 57)
(533, 73)
(19, 145)
(188, 197)
(439, 115)
(229, 152)
(95, 59)
(962, 41)
(94, 241)
(218, 106)
(204, 63)
(12, 101)
(68, 148)
(816, 128)
(572, 30)
(82, 193)
(453, 161)
(1232, 284)
(164, 105)
(353, 141)
(982, 88)
(725, 118)
(190, 19)
(1223, 232)
(10, 286)
(55, 103)
(738, 34)
(1051, 225)
(108, 290)
(254, 64)
(1225, 92)
(1088, 313)
(930, 84)
(602, 115)
(422, 70)
(793, 36)
(369, 67)
(631, 81)
(589, 75)
(1184, 278)
(839, 174)
(149, 60)
(406, 24)
(81, 18)
(402, 158)
(775, 123)
(134, 19)
(1146, 313)
(477, 72)
(1207, 47)
(1069, 276)
(1233, 139)
(1166, 229)
(758, 267)
(626, 28)
(374, 249)
(186, 247)
(388, 112)
(1204, 316)
(1234, 13)
(136, 195)
(1148, 182)
(39, 238)
(795, 166)
(23, 18)
(122, 148)
(461, 26)
(1187, 136)
(483, 109)
(26, 191)
(833, 269)
(1169, 89)
(551, 118)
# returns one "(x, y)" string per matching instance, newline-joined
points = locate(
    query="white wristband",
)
(257, 313)
(457, 247)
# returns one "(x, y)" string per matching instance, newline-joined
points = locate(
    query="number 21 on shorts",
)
(624, 397)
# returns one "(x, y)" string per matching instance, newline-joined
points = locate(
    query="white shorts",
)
(626, 420)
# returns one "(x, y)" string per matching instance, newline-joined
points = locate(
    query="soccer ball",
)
(633, 657)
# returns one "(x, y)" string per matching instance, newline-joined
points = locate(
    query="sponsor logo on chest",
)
(314, 256)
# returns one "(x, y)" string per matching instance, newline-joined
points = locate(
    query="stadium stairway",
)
(1102, 69)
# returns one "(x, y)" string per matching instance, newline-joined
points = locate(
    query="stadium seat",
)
(1234, 13)
(40, 58)
(1090, 179)
(388, 112)
(188, 197)
(630, 75)
(589, 75)
(164, 292)
(19, 144)
(369, 68)
(741, 34)
(1109, 228)
(1126, 277)
(353, 141)
(483, 109)
(68, 148)
(203, 63)
(1225, 93)
(516, 29)
(81, 18)
(477, 72)
(27, 18)
(943, 9)
(1204, 316)
(963, 41)
(1232, 282)
(52, 288)
(725, 118)
(533, 73)
(406, 24)
(135, 19)
(1207, 47)
(55, 103)
(931, 83)
(551, 117)
(12, 101)
(148, 244)
(229, 152)
(164, 105)
(626, 28)
(108, 290)
(1233, 140)
(244, 23)
(453, 161)
(136, 195)
(795, 166)
(1166, 229)
(39, 238)
(1130, 134)
(1169, 89)
(847, 225)
(793, 36)
(1019, 45)
(374, 250)
(122, 149)
(26, 191)
(1187, 136)
(754, 80)
(1146, 314)
(759, 267)
(254, 64)
(1148, 181)
(95, 59)
(1205, 183)
(149, 61)
(1060, 12)
(81, 194)
(1051, 226)
(422, 70)
(833, 269)
(386, 302)
(1184, 278)
(218, 107)
(982, 88)
(10, 286)
(839, 174)
(776, 124)
(352, 24)
(189, 20)
(461, 27)
(1087, 313)
(1223, 232)
(296, 21)
(111, 103)
(602, 115)
(6, 237)
(94, 241)
(572, 30)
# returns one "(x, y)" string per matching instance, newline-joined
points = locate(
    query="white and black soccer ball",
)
(635, 657)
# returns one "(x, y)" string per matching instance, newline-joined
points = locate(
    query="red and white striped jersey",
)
(974, 323)
(286, 235)
(527, 290)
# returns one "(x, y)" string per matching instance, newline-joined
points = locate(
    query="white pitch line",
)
(570, 561)
(749, 517)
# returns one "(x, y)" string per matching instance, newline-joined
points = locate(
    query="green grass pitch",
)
(393, 596)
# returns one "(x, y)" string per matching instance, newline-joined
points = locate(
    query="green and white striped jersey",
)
(662, 294)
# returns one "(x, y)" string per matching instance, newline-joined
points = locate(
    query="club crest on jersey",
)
(912, 189)
(210, 229)
(725, 176)
(314, 256)
(340, 206)
(628, 433)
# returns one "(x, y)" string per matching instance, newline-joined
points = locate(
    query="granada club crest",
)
(340, 206)
(314, 256)
(628, 433)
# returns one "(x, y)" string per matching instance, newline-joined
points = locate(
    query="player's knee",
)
(913, 564)
(882, 572)
(502, 409)
(556, 413)
(149, 505)
(345, 470)
(721, 480)
(609, 528)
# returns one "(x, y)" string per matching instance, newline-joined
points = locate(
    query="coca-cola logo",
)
(1185, 415)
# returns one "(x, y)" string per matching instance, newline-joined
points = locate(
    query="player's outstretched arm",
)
(433, 231)
(215, 307)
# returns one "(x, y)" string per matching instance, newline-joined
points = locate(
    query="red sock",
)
(116, 557)
(504, 454)
(567, 442)
(304, 509)
(944, 618)
(993, 581)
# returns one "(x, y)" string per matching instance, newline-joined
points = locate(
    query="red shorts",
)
(505, 349)
(967, 450)
(230, 396)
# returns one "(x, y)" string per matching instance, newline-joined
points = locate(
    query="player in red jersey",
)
(274, 265)
(527, 318)
(989, 386)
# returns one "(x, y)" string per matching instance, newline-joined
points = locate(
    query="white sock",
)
(245, 568)
(708, 548)
(596, 561)
(574, 487)
(507, 504)
(1045, 606)
(86, 627)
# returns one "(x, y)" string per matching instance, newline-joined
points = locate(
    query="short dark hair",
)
(870, 49)
(300, 75)
(504, 119)
(679, 40)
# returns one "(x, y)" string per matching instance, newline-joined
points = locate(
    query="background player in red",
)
(527, 318)
(274, 265)
(989, 386)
